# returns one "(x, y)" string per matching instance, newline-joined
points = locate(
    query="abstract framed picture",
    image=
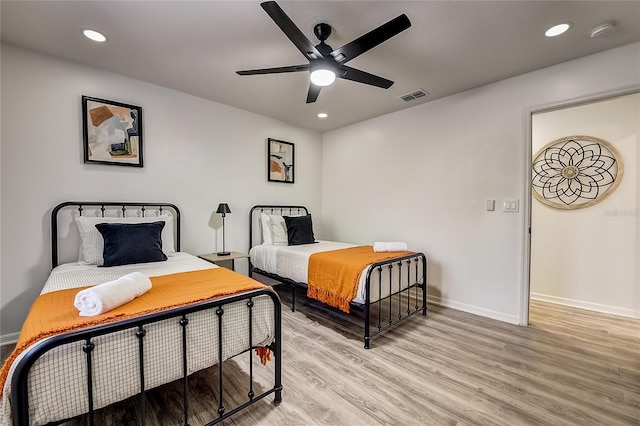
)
(112, 132)
(280, 161)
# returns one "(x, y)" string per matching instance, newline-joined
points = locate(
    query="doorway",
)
(588, 257)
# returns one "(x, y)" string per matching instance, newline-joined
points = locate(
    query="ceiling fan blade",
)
(314, 91)
(371, 39)
(364, 77)
(276, 70)
(291, 30)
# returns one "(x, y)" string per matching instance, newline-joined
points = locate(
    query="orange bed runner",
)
(54, 313)
(334, 275)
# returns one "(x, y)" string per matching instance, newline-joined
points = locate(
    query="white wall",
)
(424, 174)
(197, 153)
(589, 257)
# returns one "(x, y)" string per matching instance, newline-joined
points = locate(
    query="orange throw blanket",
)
(53, 313)
(334, 275)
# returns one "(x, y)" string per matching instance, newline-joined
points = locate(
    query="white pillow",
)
(92, 243)
(274, 230)
(278, 230)
(267, 235)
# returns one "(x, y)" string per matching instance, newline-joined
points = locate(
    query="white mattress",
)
(57, 381)
(293, 262)
(70, 275)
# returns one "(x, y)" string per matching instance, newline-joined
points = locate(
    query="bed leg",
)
(276, 348)
(278, 397)
(424, 286)
(367, 315)
(293, 297)
(424, 299)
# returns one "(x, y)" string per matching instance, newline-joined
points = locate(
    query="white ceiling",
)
(196, 46)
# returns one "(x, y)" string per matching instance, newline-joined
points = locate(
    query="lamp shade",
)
(223, 208)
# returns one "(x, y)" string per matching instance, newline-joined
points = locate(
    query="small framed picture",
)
(280, 161)
(112, 132)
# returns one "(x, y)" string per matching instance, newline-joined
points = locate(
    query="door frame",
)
(525, 288)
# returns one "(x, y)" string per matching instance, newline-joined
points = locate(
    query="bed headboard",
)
(64, 234)
(255, 238)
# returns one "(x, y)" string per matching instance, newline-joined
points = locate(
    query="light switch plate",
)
(511, 205)
(491, 205)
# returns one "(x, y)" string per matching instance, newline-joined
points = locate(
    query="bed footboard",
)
(182, 320)
(404, 281)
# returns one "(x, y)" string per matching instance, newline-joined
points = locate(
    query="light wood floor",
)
(569, 367)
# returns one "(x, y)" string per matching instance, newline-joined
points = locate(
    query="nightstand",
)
(215, 258)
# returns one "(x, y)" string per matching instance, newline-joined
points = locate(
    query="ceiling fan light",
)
(323, 77)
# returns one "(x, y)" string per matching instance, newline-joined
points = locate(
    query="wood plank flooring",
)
(569, 367)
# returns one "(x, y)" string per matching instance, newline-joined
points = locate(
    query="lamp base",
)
(223, 253)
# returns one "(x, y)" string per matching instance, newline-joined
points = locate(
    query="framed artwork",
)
(575, 172)
(112, 132)
(280, 161)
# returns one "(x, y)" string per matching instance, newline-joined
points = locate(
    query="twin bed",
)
(63, 373)
(389, 290)
(62, 376)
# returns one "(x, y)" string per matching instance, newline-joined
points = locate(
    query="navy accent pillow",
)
(127, 243)
(299, 230)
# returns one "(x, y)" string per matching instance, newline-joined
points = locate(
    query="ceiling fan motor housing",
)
(322, 31)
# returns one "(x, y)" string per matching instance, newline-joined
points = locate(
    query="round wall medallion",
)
(575, 172)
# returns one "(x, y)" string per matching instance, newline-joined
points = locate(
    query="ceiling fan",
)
(326, 63)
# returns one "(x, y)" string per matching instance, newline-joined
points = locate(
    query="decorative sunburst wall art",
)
(576, 172)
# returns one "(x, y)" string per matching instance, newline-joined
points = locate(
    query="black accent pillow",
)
(299, 230)
(127, 243)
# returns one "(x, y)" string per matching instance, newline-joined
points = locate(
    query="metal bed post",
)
(424, 285)
(185, 384)
(219, 313)
(140, 333)
(88, 348)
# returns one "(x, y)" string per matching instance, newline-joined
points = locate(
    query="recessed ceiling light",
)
(556, 30)
(322, 115)
(94, 35)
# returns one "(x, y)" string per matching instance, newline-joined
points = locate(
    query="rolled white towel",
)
(380, 247)
(397, 246)
(389, 246)
(105, 297)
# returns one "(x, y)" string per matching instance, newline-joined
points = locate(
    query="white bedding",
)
(57, 381)
(293, 262)
(70, 275)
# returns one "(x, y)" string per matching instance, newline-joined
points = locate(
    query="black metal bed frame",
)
(19, 384)
(394, 301)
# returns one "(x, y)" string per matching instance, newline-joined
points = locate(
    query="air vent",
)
(414, 95)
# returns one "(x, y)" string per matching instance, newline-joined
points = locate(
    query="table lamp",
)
(223, 209)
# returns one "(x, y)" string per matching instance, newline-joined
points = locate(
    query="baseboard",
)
(9, 339)
(476, 310)
(606, 309)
